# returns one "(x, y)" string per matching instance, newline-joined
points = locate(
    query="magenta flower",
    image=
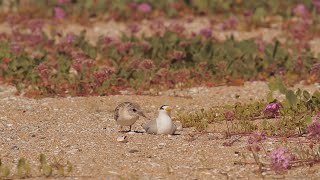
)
(144, 7)
(280, 159)
(178, 55)
(80, 60)
(146, 64)
(132, 5)
(34, 39)
(261, 45)
(15, 48)
(103, 74)
(232, 22)
(133, 28)
(59, 13)
(43, 70)
(300, 32)
(181, 75)
(63, 1)
(301, 10)
(272, 109)
(229, 115)
(206, 32)
(107, 40)
(315, 69)
(316, 3)
(70, 38)
(247, 13)
(177, 28)
(316, 117)
(35, 25)
(42, 67)
(314, 129)
(124, 47)
(145, 45)
(183, 44)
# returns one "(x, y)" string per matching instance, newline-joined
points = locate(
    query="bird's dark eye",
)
(134, 110)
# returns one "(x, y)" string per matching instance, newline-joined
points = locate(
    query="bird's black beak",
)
(141, 114)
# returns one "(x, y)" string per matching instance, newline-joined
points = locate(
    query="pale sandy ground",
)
(82, 130)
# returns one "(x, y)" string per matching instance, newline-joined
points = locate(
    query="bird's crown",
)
(165, 107)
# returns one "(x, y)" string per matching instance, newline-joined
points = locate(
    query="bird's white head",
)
(165, 108)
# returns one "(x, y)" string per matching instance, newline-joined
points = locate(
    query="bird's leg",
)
(123, 130)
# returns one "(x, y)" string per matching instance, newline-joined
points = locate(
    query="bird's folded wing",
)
(174, 128)
(117, 111)
(151, 127)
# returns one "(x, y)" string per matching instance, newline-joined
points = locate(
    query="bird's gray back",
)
(174, 128)
(151, 127)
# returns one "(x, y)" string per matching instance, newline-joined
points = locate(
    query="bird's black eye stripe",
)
(134, 110)
(162, 107)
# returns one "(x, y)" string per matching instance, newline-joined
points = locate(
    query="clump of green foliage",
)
(282, 158)
(4, 171)
(45, 168)
(72, 66)
(295, 116)
(57, 168)
(297, 109)
(291, 117)
(199, 120)
(24, 170)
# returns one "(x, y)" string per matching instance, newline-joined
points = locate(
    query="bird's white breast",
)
(164, 123)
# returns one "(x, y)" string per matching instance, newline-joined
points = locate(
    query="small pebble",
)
(15, 148)
(161, 145)
(153, 164)
(133, 150)
(122, 139)
(214, 136)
